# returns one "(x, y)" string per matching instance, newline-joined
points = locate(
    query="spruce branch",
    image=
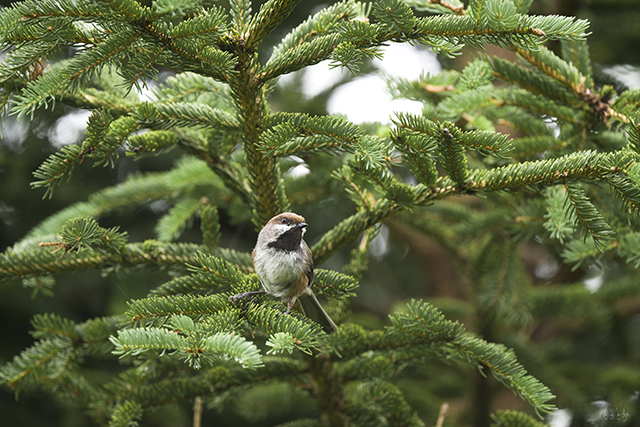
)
(172, 114)
(560, 224)
(625, 190)
(136, 191)
(210, 225)
(322, 23)
(568, 75)
(208, 26)
(223, 272)
(40, 261)
(417, 153)
(422, 323)
(513, 419)
(452, 155)
(308, 53)
(333, 284)
(189, 341)
(84, 232)
(533, 82)
(271, 14)
(578, 251)
(438, 6)
(188, 284)
(61, 343)
(377, 400)
(576, 52)
(165, 307)
(350, 228)
(503, 286)
(240, 14)
(288, 133)
(75, 74)
(582, 165)
(179, 217)
(394, 16)
(56, 167)
(153, 393)
(249, 94)
(125, 414)
(151, 143)
(589, 219)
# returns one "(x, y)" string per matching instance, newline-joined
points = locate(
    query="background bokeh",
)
(405, 265)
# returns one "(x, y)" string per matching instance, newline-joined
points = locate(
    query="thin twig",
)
(444, 410)
(458, 10)
(197, 412)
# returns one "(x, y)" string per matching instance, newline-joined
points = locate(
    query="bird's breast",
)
(282, 273)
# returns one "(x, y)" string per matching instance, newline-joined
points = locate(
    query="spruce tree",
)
(507, 158)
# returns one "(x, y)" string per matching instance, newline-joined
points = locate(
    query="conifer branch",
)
(173, 114)
(240, 14)
(437, 6)
(349, 229)
(210, 226)
(325, 385)
(288, 134)
(568, 75)
(271, 14)
(265, 175)
(590, 220)
(215, 108)
(300, 56)
(36, 262)
(425, 324)
(503, 286)
(179, 217)
(199, 383)
(57, 166)
(189, 342)
(322, 23)
(135, 191)
(583, 165)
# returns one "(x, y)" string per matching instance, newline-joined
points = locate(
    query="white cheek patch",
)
(279, 230)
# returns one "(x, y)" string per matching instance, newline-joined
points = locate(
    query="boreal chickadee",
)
(284, 265)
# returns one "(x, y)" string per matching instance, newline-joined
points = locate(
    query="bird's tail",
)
(313, 310)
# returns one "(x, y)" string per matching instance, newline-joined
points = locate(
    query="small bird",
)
(284, 265)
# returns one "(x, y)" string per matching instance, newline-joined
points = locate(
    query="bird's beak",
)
(302, 225)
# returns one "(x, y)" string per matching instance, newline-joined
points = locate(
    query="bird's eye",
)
(283, 220)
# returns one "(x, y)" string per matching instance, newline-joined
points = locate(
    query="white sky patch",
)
(318, 78)
(69, 129)
(298, 170)
(367, 98)
(553, 126)
(379, 246)
(560, 418)
(145, 92)
(15, 132)
(406, 61)
(594, 282)
(547, 268)
(627, 74)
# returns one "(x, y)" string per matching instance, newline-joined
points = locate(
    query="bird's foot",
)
(246, 295)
